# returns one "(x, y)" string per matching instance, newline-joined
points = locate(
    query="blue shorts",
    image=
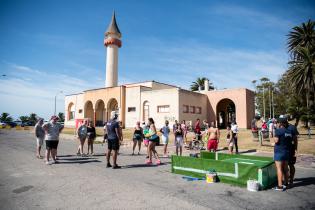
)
(281, 156)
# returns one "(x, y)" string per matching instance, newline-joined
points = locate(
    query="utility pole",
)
(273, 105)
(264, 102)
(270, 101)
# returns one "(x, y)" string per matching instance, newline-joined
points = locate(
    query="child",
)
(165, 136)
(229, 139)
(146, 139)
(179, 139)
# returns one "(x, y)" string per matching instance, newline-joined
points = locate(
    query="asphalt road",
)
(85, 183)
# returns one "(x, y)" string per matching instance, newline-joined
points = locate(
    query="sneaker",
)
(48, 163)
(92, 154)
(55, 162)
(277, 188)
(108, 165)
(116, 167)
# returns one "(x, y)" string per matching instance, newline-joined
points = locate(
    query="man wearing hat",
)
(52, 131)
(113, 139)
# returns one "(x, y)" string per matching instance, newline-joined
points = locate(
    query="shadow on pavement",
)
(79, 161)
(300, 182)
(143, 165)
(248, 151)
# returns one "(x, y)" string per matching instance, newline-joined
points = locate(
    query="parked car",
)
(11, 124)
(2, 124)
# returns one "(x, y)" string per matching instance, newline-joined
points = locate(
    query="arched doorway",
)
(71, 111)
(146, 109)
(88, 110)
(226, 113)
(112, 105)
(100, 113)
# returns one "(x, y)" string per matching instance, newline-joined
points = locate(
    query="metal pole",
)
(269, 102)
(264, 102)
(273, 105)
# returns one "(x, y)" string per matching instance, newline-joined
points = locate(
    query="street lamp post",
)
(56, 101)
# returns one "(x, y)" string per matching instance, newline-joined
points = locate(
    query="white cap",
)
(113, 114)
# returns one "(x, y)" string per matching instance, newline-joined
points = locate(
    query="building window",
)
(131, 109)
(198, 110)
(163, 109)
(80, 111)
(192, 109)
(185, 109)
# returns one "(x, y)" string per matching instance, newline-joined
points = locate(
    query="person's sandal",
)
(148, 162)
(158, 162)
(116, 167)
(108, 165)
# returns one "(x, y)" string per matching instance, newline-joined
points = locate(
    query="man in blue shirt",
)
(292, 151)
(114, 138)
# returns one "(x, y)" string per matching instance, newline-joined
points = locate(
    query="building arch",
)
(112, 105)
(146, 110)
(71, 111)
(88, 110)
(225, 112)
(100, 113)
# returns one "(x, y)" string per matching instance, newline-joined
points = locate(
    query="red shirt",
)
(197, 127)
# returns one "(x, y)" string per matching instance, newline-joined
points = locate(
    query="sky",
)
(52, 46)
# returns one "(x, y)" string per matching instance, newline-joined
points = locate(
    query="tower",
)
(112, 42)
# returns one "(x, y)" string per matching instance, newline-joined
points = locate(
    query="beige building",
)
(139, 101)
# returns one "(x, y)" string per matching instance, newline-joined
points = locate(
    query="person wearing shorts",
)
(40, 136)
(165, 130)
(52, 131)
(214, 135)
(282, 142)
(179, 141)
(292, 152)
(114, 138)
(153, 140)
(91, 135)
(82, 134)
(137, 138)
(229, 139)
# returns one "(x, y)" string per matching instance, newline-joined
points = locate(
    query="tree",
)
(301, 72)
(301, 36)
(24, 119)
(61, 117)
(5, 117)
(200, 82)
(32, 118)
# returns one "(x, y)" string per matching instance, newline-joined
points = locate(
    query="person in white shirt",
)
(234, 128)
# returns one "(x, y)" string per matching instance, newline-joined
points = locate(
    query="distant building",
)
(139, 101)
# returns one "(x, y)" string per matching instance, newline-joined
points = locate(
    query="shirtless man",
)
(214, 136)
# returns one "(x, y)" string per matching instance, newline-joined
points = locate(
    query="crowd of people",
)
(284, 136)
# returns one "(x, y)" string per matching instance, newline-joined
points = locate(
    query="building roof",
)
(113, 27)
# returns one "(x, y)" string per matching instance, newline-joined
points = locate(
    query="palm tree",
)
(301, 36)
(200, 81)
(301, 72)
(5, 117)
(32, 118)
(24, 119)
